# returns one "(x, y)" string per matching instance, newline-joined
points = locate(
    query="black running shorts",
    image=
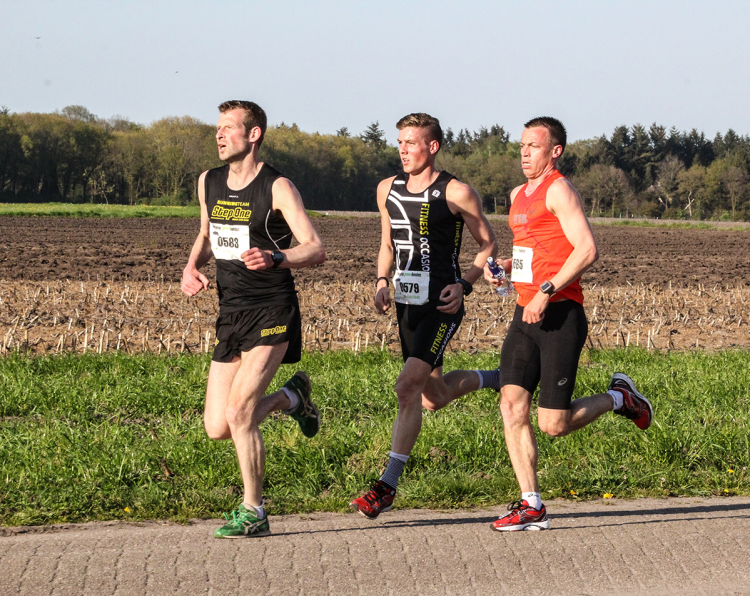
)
(243, 330)
(546, 353)
(425, 331)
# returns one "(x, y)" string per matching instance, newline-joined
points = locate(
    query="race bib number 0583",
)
(522, 259)
(411, 287)
(229, 242)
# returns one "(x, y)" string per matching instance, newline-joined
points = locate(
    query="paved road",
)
(675, 546)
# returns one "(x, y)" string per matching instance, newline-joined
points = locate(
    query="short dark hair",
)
(557, 133)
(254, 115)
(422, 120)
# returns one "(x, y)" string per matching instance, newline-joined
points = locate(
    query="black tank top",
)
(425, 235)
(240, 288)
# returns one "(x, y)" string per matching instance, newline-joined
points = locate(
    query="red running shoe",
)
(634, 405)
(376, 501)
(522, 517)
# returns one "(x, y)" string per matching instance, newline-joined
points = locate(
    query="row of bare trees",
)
(719, 190)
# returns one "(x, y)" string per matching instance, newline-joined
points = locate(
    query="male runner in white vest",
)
(249, 213)
(422, 215)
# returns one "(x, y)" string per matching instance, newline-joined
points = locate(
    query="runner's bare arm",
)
(463, 200)
(310, 250)
(385, 255)
(193, 281)
(564, 202)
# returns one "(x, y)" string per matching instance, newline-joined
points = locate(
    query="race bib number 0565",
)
(411, 287)
(522, 259)
(229, 242)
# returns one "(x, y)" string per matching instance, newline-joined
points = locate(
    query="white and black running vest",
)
(240, 220)
(426, 239)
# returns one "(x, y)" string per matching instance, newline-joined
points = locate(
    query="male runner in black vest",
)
(249, 213)
(422, 214)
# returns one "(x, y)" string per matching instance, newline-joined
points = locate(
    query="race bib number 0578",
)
(229, 242)
(522, 259)
(411, 287)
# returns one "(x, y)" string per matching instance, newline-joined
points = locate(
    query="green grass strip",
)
(680, 225)
(89, 437)
(193, 211)
(89, 210)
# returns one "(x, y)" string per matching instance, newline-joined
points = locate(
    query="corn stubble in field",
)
(95, 434)
(137, 317)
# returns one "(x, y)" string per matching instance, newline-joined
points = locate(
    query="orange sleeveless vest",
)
(534, 227)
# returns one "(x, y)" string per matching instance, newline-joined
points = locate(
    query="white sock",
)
(617, 397)
(293, 401)
(398, 456)
(260, 511)
(533, 499)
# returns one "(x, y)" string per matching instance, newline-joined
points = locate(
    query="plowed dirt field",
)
(42, 249)
(106, 284)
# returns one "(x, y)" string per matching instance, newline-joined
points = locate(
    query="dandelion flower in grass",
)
(573, 493)
(607, 495)
(726, 490)
(730, 471)
(127, 509)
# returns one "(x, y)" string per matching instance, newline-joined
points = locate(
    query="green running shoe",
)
(306, 414)
(243, 523)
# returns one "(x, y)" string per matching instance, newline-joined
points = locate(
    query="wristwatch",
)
(547, 288)
(277, 257)
(468, 288)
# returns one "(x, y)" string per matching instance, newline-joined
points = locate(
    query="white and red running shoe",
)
(522, 517)
(634, 405)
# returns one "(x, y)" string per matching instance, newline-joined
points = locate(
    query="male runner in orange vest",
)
(552, 246)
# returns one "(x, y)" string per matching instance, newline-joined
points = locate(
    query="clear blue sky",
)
(327, 64)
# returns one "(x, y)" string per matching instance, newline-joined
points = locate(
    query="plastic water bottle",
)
(506, 289)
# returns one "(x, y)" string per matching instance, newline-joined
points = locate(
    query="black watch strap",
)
(468, 288)
(547, 288)
(278, 258)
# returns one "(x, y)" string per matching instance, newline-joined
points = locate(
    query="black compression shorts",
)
(545, 353)
(425, 331)
(243, 330)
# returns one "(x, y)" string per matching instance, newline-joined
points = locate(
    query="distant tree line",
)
(660, 173)
(74, 156)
